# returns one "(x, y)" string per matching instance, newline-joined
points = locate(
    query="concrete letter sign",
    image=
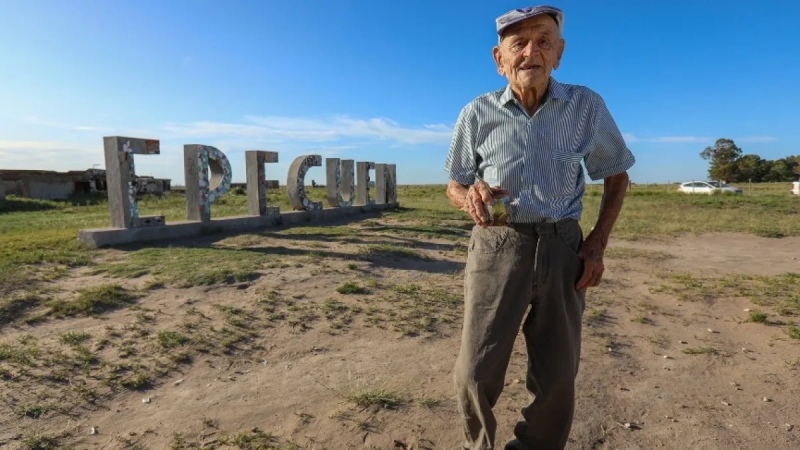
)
(363, 168)
(385, 184)
(295, 182)
(202, 191)
(121, 180)
(339, 175)
(257, 186)
(208, 176)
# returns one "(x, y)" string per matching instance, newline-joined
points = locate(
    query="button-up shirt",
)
(538, 157)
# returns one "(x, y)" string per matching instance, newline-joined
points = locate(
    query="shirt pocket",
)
(566, 168)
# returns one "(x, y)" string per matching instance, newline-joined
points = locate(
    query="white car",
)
(707, 187)
(796, 187)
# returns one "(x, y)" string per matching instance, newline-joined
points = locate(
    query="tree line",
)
(728, 163)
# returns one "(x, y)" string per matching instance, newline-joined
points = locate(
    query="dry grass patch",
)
(781, 293)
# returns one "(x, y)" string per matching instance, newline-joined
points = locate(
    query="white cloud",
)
(49, 155)
(65, 126)
(679, 139)
(282, 129)
(756, 139)
(34, 145)
(631, 138)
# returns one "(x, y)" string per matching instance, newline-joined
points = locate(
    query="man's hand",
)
(473, 199)
(478, 197)
(594, 245)
(591, 253)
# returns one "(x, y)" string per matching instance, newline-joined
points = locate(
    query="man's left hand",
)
(591, 253)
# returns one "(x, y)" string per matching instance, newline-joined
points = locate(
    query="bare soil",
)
(309, 367)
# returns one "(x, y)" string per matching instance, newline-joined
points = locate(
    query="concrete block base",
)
(109, 237)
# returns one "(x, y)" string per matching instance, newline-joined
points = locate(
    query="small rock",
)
(726, 403)
(146, 400)
(627, 425)
(517, 381)
(682, 342)
(710, 330)
(93, 430)
(766, 399)
(747, 310)
(733, 383)
(744, 350)
(789, 427)
(177, 382)
(667, 357)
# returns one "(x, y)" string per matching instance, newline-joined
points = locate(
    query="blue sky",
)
(378, 80)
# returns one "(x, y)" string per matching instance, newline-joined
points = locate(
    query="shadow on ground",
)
(389, 249)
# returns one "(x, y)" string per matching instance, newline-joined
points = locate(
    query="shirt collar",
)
(554, 90)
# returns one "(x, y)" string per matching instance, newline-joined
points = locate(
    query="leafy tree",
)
(750, 167)
(783, 169)
(724, 156)
(727, 163)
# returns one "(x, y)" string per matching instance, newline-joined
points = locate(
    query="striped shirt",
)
(538, 158)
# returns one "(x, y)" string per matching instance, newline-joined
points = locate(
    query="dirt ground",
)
(363, 380)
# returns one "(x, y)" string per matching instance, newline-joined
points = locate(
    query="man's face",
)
(529, 51)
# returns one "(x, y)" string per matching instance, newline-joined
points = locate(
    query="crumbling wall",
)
(47, 188)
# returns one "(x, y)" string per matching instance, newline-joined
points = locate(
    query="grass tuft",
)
(351, 288)
(757, 317)
(376, 397)
(74, 338)
(171, 339)
(93, 301)
(701, 351)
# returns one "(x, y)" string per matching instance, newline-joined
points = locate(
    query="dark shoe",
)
(514, 444)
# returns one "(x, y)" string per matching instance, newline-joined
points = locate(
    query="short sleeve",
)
(608, 154)
(461, 164)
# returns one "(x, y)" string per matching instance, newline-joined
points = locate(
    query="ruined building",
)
(51, 185)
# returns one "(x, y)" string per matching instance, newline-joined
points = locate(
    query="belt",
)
(541, 226)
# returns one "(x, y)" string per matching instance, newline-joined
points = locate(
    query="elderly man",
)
(528, 141)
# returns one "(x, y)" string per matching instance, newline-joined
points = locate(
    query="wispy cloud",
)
(64, 126)
(679, 139)
(283, 129)
(756, 139)
(48, 155)
(10, 145)
(632, 138)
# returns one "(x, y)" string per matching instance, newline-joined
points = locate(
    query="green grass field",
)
(39, 238)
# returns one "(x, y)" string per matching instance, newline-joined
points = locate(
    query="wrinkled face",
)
(529, 51)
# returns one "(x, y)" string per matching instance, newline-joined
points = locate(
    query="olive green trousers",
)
(512, 270)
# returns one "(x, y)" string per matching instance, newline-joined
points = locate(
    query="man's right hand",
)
(474, 199)
(478, 197)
